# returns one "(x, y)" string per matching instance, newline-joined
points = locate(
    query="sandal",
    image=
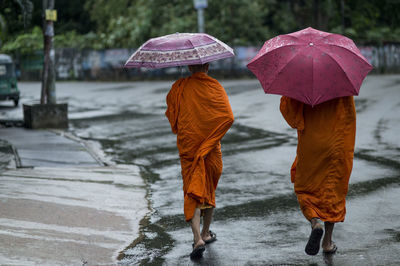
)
(314, 241)
(332, 250)
(212, 239)
(197, 252)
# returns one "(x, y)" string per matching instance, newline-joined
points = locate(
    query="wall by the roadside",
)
(74, 64)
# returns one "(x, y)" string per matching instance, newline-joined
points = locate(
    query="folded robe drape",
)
(199, 112)
(322, 167)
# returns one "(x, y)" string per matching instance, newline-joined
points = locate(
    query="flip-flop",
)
(331, 251)
(312, 247)
(197, 253)
(212, 239)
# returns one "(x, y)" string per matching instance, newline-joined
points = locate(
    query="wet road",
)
(257, 219)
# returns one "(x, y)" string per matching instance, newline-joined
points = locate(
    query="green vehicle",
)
(8, 80)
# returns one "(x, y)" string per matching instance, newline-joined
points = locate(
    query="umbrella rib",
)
(337, 63)
(177, 49)
(348, 50)
(203, 60)
(283, 46)
(312, 84)
(195, 48)
(135, 53)
(280, 70)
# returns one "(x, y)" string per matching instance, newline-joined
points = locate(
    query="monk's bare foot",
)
(329, 247)
(316, 223)
(209, 237)
(199, 244)
(206, 236)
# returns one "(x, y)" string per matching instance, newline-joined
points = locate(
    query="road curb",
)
(91, 147)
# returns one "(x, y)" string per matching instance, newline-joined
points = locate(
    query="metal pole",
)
(200, 19)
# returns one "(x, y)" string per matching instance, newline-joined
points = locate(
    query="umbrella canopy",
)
(179, 49)
(311, 66)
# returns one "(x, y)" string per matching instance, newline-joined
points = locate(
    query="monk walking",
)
(199, 112)
(322, 168)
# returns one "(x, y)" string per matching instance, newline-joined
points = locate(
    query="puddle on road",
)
(255, 197)
(117, 88)
(149, 248)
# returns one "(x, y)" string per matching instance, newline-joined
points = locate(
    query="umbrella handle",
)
(181, 70)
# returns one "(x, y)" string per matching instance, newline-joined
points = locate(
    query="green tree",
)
(25, 43)
(100, 24)
(133, 22)
(375, 20)
(14, 16)
(239, 22)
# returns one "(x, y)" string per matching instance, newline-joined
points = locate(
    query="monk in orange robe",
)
(322, 168)
(199, 112)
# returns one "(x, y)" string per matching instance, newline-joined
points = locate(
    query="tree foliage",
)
(14, 15)
(25, 43)
(99, 24)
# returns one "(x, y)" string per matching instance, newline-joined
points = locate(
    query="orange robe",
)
(200, 114)
(322, 168)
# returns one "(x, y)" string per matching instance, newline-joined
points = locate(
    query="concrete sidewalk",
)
(36, 148)
(62, 203)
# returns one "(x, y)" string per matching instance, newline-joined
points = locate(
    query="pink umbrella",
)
(179, 49)
(311, 66)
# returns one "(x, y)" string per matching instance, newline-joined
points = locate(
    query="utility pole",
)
(200, 5)
(47, 114)
(48, 95)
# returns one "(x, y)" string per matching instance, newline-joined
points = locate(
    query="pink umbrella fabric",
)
(311, 66)
(179, 49)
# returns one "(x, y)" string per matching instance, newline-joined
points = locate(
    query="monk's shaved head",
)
(199, 68)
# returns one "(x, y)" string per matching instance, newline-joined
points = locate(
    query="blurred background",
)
(94, 38)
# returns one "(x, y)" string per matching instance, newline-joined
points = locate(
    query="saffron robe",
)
(199, 112)
(325, 149)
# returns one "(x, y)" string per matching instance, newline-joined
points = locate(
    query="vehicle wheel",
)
(16, 101)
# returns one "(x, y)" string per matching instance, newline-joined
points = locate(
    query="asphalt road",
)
(257, 219)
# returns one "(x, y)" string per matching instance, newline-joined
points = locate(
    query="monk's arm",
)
(225, 118)
(292, 111)
(172, 100)
(215, 137)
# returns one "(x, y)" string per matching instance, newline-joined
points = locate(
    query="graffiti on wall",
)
(108, 64)
(384, 58)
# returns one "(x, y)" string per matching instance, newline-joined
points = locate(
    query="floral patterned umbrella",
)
(179, 49)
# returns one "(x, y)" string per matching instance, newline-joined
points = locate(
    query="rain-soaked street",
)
(257, 219)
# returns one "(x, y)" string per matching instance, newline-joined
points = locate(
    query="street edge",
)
(91, 147)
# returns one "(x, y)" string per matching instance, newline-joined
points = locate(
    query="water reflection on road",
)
(257, 219)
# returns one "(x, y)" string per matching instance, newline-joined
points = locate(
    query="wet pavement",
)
(68, 216)
(257, 219)
(62, 203)
(36, 148)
